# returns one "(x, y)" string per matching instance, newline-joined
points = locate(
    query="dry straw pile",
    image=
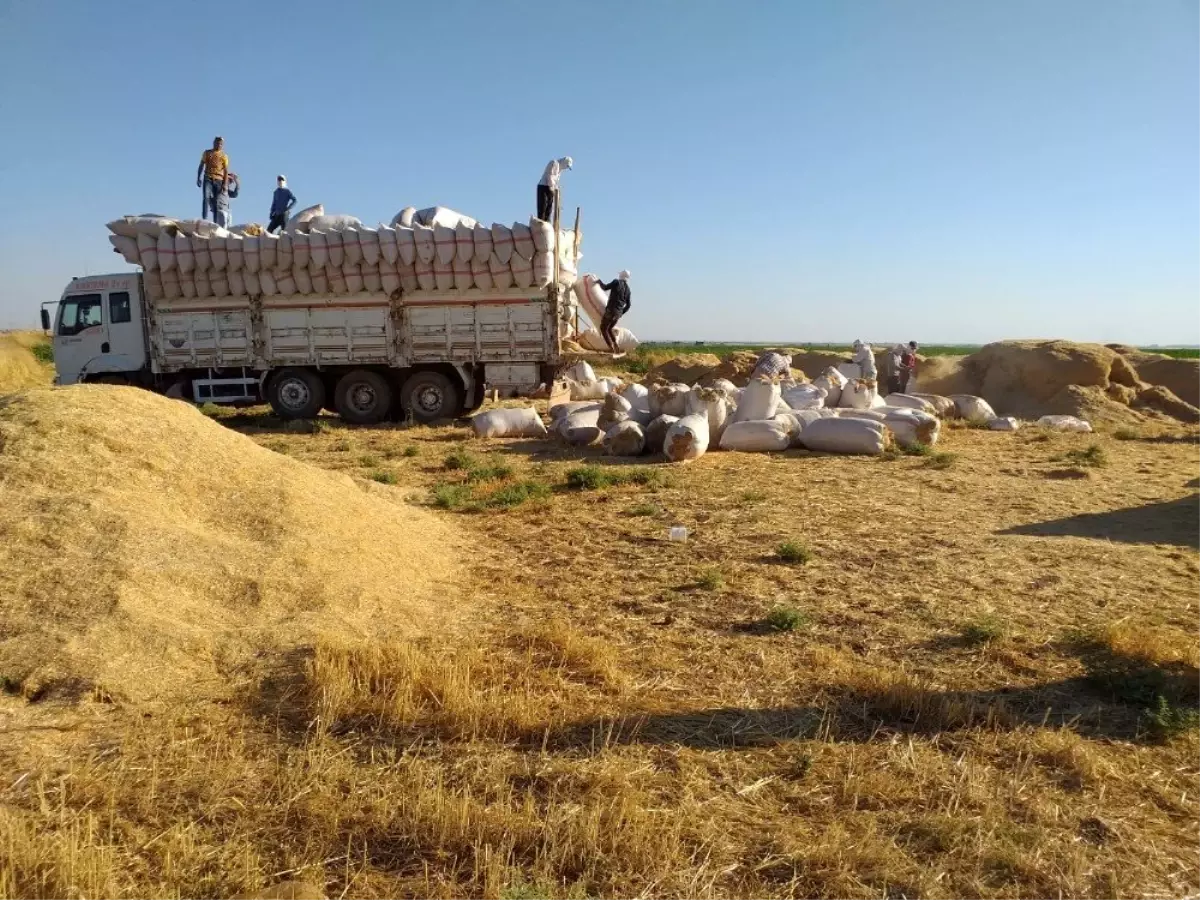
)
(146, 551)
(19, 368)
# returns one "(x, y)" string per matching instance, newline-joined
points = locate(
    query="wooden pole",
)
(557, 222)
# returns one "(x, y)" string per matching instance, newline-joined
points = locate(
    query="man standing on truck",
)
(547, 189)
(619, 301)
(281, 204)
(229, 191)
(210, 176)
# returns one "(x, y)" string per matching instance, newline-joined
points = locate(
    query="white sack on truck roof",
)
(299, 221)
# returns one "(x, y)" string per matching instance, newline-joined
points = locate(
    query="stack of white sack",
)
(338, 254)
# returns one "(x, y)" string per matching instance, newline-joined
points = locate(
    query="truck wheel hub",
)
(429, 399)
(294, 394)
(362, 397)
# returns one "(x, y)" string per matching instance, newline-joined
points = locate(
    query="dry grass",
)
(601, 728)
(20, 367)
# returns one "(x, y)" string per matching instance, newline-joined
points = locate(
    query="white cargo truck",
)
(367, 356)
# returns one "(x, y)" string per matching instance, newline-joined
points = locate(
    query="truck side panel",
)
(202, 338)
(501, 331)
(359, 332)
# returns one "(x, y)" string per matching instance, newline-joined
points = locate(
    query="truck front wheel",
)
(296, 394)
(430, 396)
(362, 397)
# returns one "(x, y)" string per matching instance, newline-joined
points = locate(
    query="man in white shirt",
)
(547, 189)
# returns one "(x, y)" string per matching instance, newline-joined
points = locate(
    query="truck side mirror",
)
(45, 319)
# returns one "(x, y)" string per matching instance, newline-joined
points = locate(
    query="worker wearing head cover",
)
(773, 364)
(865, 357)
(222, 214)
(619, 301)
(547, 189)
(282, 202)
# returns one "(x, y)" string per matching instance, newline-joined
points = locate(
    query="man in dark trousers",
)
(619, 301)
(547, 189)
(281, 204)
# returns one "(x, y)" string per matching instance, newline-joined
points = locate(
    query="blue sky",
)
(800, 170)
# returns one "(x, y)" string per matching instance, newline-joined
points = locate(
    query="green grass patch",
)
(596, 478)
(1165, 720)
(711, 579)
(451, 496)
(367, 461)
(211, 410)
(495, 472)
(410, 451)
(917, 449)
(645, 510)
(518, 492)
(460, 460)
(786, 618)
(793, 553)
(43, 352)
(383, 476)
(753, 497)
(940, 460)
(983, 631)
(1094, 457)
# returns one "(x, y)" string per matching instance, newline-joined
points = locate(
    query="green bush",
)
(793, 553)
(786, 618)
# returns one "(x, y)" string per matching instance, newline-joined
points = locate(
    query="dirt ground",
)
(969, 674)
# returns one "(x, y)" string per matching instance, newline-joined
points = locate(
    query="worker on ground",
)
(547, 189)
(892, 369)
(210, 176)
(908, 366)
(619, 301)
(865, 357)
(229, 191)
(281, 204)
(773, 364)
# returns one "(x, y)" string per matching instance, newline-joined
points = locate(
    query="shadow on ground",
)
(1171, 522)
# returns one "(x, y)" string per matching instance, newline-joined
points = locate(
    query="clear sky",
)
(777, 170)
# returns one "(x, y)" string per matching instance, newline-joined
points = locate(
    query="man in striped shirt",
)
(211, 175)
(772, 364)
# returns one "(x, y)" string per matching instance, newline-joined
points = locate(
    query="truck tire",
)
(362, 397)
(296, 394)
(430, 396)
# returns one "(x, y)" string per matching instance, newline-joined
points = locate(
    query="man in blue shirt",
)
(281, 204)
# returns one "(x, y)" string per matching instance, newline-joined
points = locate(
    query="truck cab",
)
(99, 332)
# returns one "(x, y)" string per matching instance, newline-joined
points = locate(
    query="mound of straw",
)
(148, 552)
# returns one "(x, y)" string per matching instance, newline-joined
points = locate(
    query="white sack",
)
(464, 241)
(502, 243)
(687, 439)
(714, 406)
(656, 432)
(916, 428)
(1063, 423)
(625, 439)
(497, 423)
(426, 249)
(592, 340)
(426, 279)
(333, 223)
(481, 275)
(581, 372)
(803, 396)
(973, 409)
(444, 243)
(166, 251)
(543, 269)
(481, 237)
(405, 217)
(235, 251)
(669, 400)
(318, 249)
(832, 382)
(858, 394)
(911, 402)
(523, 244)
(300, 220)
(147, 245)
(759, 401)
(592, 298)
(502, 276)
(943, 406)
(845, 436)
(561, 410)
(368, 243)
(757, 436)
(300, 250)
(269, 248)
(126, 246)
(580, 428)
(522, 271)
(388, 250)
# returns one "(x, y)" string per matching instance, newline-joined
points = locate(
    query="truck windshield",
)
(79, 312)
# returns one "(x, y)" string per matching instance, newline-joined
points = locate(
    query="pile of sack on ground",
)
(435, 250)
(831, 414)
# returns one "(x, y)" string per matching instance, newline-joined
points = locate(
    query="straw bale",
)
(19, 368)
(148, 550)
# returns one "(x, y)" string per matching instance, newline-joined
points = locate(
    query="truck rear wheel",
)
(362, 397)
(430, 396)
(296, 394)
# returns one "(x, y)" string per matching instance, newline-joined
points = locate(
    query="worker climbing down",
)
(773, 364)
(211, 175)
(865, 357)
(547, 189)
(281, 204)
(229, 191)
(619, 301)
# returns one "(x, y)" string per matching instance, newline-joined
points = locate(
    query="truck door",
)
(80, 334)
(126, 346)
